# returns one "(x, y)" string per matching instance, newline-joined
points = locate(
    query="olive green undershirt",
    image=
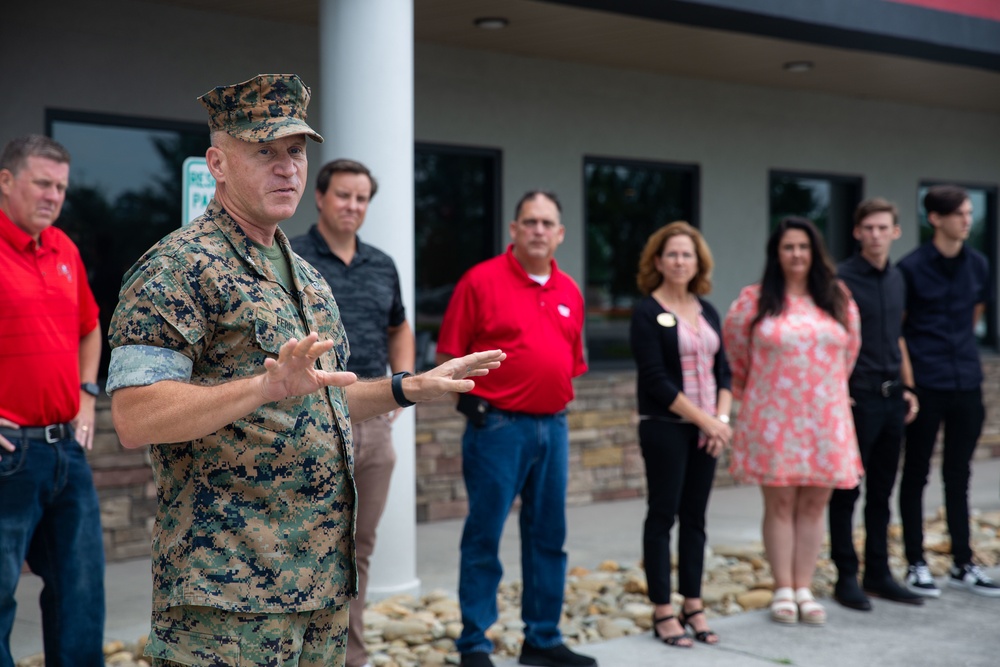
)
(279, 262)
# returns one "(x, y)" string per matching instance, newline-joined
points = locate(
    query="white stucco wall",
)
(137, 59)
(141, 59)
(547, 115)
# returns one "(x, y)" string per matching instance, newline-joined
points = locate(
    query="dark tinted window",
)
(457, 200)
(828, 200)
(124, 192)
(625, 202)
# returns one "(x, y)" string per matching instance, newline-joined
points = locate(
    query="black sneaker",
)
(920, 581)
(477, 659)
(973, 579)
(557, 656)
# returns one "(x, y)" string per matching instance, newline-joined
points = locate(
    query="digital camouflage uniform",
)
(259, 516)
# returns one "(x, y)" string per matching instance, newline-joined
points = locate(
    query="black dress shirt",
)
(941, 296)
(881, 298)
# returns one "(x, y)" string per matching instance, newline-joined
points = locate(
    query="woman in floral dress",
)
(792, 341)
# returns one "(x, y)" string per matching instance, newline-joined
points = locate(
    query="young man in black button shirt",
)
(947, 289)
(882, 402)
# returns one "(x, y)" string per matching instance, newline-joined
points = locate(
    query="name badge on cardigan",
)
(666, 320)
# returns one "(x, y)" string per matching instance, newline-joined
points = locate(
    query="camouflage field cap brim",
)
(265, 108)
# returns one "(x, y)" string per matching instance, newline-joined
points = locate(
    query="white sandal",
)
(783, 607)
(810, 611)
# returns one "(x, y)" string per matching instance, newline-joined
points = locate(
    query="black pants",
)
(962, 413)
(679, 479)
(878, 421)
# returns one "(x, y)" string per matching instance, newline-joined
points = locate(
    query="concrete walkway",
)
(958, 629)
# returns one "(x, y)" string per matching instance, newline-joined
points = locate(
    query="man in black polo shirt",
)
(947, 289)
(366, 285)
(882, 402)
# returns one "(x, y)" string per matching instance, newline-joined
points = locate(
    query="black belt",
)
(51, 434)
(886, 389)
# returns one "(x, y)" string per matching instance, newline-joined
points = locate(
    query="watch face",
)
(91, 388)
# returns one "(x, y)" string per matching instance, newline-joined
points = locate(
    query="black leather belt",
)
(887, 389)
(51, 434)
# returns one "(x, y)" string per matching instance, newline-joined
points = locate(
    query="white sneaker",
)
(920, 581)
(971, 578)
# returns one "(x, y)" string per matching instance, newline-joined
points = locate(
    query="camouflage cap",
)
(265, 108)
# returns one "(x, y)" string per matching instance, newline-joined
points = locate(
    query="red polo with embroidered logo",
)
(46, 307)
(496, 305)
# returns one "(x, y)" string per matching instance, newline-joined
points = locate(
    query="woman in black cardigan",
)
(684, 403)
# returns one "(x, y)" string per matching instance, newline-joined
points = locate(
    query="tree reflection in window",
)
(457, 218)
(828, 200)
(124, 194)
(626, 201)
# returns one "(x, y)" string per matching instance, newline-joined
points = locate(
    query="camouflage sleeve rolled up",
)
(259, 516)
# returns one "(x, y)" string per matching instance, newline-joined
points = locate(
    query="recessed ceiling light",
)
(798, 66)
(491, 22)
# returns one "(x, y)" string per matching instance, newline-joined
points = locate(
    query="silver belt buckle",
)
(887, 387)
(53, 433)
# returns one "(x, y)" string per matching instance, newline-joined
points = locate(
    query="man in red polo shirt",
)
(50, 346)
(516, 441)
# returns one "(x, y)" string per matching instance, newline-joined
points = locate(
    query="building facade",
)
(727, 113)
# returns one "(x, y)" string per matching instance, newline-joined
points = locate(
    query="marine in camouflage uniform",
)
(253, 553)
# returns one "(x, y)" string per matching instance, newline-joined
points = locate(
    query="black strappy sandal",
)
(704, 635)
(674, 640)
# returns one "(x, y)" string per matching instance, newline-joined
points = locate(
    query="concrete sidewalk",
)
(958, 629)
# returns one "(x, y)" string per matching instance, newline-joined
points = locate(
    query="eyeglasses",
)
(531, 222)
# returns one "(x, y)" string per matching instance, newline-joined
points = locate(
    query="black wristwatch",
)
(397, 389)
(91, 388)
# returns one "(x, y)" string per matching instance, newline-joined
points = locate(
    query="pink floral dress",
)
(794, 426)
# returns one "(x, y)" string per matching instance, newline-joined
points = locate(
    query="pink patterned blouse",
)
(794, 426)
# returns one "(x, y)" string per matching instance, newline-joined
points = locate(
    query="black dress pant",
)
(878, 421)
(962, 413)
(679, 478)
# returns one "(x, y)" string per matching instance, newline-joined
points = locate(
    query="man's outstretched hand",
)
(452, 376)
(294, 372)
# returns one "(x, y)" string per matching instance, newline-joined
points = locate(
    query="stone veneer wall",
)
(605, 462)
(124, 482)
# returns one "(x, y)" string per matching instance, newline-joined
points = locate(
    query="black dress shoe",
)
(848, 593)
(557, 656)
(887, 589)
(477, 659)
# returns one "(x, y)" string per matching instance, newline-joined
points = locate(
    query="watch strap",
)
(397, 389)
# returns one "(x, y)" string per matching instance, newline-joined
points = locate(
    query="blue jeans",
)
(511, 455)
(49, 516)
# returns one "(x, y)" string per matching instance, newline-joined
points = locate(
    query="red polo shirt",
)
(496, 305)
(46, 307)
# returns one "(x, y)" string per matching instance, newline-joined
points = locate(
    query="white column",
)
(366, 88)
